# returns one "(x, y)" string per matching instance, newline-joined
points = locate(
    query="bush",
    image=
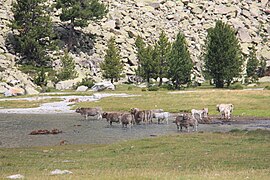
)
(86, 82)
(68, 68)
(167, 86)
(129, 88)
(236, 86)
(153, 88)
(267, 87)
(144, 89)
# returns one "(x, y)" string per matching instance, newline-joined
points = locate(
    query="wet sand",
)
(15, 129)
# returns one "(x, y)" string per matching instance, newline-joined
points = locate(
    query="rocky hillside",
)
(128, 18)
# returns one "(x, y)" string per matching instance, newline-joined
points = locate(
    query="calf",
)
(112, 117)
(126, 119)
(162, 116)
(225, 110)
(185, 120)
(96, 111)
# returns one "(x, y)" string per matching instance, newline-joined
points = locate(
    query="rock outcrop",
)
(128, 18)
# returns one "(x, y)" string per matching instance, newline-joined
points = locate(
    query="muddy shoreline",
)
(15, 129)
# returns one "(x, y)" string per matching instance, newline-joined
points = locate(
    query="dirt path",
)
(15, 129)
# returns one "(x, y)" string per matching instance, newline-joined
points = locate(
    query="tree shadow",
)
(82, 42)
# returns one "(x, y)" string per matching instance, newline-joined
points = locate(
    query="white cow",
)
(225, 110)
(162, 116)
(201, 113)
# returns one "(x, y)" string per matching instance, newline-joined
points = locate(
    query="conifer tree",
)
(68, 68)
(223, 56)
(77, 14)
(112, 66)
(162, 49)
(180, 63)
(147, 66)
(252, 65)
(140, 46)
(34, 31)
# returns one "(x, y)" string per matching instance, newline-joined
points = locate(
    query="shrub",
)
(129, 88)
(144, 89)
(267, 87)
(236, 86)
(86, 82)
(153, 88)
(68, 68)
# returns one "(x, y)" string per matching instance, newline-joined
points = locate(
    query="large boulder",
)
(68, 84)
(3, 87)
(102, 86)
(30, 90)
(81, 88)
(14, 91)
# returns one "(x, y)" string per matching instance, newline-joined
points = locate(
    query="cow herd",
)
(137, 116)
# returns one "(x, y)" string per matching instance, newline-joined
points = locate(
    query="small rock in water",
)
(16, 176)
(60, 172)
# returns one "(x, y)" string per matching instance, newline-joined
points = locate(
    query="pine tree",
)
(147, 66)
(77, 14)
(34, 31)
(112, 66)
(68, 68)
(252, 65)
(223, 56)
(140, 46)
(162, 49)
(262, 67)
(180, 63)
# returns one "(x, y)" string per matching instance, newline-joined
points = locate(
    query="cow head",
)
(104, 115)
(231, 105)
(78, 110)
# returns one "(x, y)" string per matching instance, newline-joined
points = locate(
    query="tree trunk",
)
(71, 35)
(112, 80)
(160, 81)
(219, 83)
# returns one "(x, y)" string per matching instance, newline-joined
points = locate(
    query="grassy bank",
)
(234, 155)
(246, 102)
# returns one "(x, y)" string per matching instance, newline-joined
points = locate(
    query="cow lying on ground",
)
(126, 119)
(162, 116)
(185, 120)
(112, 117)
(201, 113)
(96, 111)
(225, 110)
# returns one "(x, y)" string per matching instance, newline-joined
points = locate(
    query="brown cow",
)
(96, 111)
(185, 120)
(137, 115)
(112, 117)
(126, 119)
